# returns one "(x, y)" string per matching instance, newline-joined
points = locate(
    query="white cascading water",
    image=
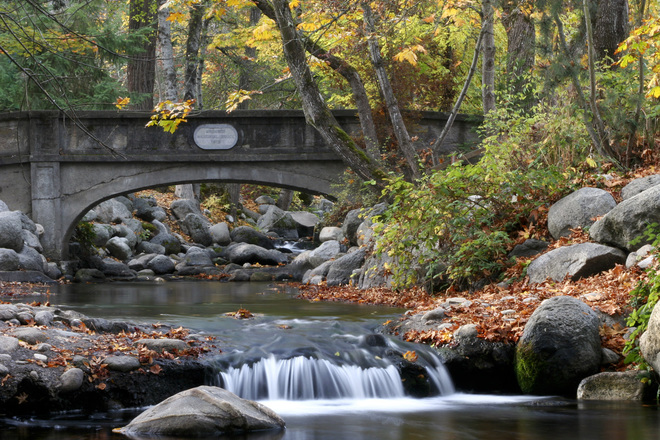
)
(304, 378)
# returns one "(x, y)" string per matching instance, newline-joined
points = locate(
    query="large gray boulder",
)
(168, 241)
(161, 264)
(197, 227)
(578, 210)
(629, 221)
(30, 239)
(351, 224)
(203, 412)
(197, 257)
(8, 260)
(11, 228)
(577, 261)
(639, 185)
(112, 211)
(330, 233)
(246, 234)
(3, 206)
(147, 209)
(374, 273)
(130, 230)
(559, 347)
(182, 207)
(305, 222)
(342, 268)
(649, 342)
(101, 234)
(220, 234)
(30, 259)
(119, 248)
(280, 222)
(242, 253)
(311, 259)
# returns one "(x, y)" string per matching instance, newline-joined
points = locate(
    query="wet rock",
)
(203, 412)
(165, 344)
(71, 380)
(342, 268)
(161, 264)
(122, 364)
(613, 386)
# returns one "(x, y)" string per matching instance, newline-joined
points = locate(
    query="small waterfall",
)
(306, 378)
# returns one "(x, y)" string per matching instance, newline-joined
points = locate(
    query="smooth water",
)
(315, 364)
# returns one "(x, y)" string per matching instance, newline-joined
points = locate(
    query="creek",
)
(323, 367)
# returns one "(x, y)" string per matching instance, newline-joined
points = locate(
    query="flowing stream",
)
(325, 369)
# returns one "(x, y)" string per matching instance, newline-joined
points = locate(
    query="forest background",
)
(568, 91)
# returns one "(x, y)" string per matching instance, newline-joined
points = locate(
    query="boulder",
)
(161, 264)
(203, 412)
(559, 347)
(114, 269)
(169, 242)
(30, 239)
(119, 248)
(578, 209)
(311, 259)
(265, 200)
(649, 342)
(71, 380)
(122, 364)
(112, 211)
(342, 268)
(11, 228)
(246, 234)
(197, 227)
(577, 261)
(147, 209)
(130, 233)
(331, 233)
(242, 253)
(163, 344)
(351, 224)
(148, 247)
(611, 385)
(101, 234)
(3, 206)
(529, 248)
(625, 226)
(89, 276)
(182, 207)
(8, 260)
(641, 254)
(305, 222)
(640, 185)
(220, 234)
(197, 257)
(280, 222)
(30, 259)
(374, 273)
(318, 273)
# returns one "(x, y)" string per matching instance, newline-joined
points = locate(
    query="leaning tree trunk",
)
(141, 68)
(488, 62)
(351, 75)
(317, 113)
(166, 54)
(400, 131)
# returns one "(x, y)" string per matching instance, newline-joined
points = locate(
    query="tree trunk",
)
(245, 76)
(488, 62)
(400, 131)
(610, 27)
(166, 54)
(317, 113)
(141, 68)
(352, 77)
(521, 50)
(195, 27)
(285, 199)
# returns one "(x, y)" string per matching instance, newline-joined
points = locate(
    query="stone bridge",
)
(55, 172)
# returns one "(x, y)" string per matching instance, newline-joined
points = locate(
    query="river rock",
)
(578, 209)
(331, 233)
(351, 224)
(90, 275)
(220, 234)
(164, 344)
(30, 259)
(203, 412)
(318, 274)
(612, 386)
(122, 364)
(182, 207)
(559, 347)
(131, 230)
(148, 247)
(246, 234)
(161, 264)
(197, 257)
(577, 261)
(529, 248)
(119, 248)
(30, 239)
(305, 222)
(625, 226)
(3, 206)
(11, 230)
(101, 233)
(314, 258)
(8, 344)
(242, 253)
(169, 242)
(280, 222)
(71, 380)
(649, 342)
(112, 211)
(342, 268)
(8, 260)
(197, 227)
(147, 209)
(638, 186)
(265, 200)
(30, 335)
(114, 269)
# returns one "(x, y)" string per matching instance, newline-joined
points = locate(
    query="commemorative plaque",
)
(215, 136)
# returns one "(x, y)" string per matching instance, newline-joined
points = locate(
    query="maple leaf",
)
(410, 356)
(22, 398)
(155, 369)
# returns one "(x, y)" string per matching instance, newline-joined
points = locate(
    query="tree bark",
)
(317, 113)
(141, 68)
(521, 50)
(400, 131)
(488, 62)
(245, 77)
(195, 26)
(166, 54)
(352, 77)
(610, 27)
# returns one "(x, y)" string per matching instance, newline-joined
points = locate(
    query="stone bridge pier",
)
(55, 169)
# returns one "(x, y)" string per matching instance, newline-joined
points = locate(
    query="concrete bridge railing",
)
(55, 172)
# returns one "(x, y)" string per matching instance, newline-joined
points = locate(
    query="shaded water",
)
(290, 335)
